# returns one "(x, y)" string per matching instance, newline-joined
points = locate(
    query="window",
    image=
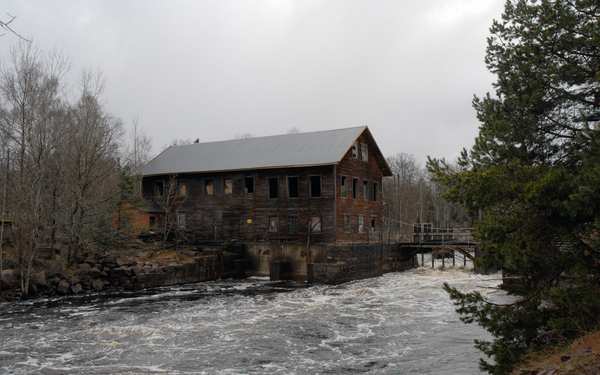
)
(152, 221)
(373, 223)
(315, 224)
(273, 224)
(292, 223)
(343, 187)
(364, 152)
(355, 151)
(293, 187)
(158, 188)
(365, 190)
(273, 187)
(209, 187)
(361, 224)
(182, 190)
(315, 186)
(228, 186)
(249, 185)
(180, 220)
(374, 191)
(347, 224)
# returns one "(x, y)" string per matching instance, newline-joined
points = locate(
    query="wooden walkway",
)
(443, 244)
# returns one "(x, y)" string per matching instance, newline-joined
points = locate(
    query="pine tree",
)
(534, 174)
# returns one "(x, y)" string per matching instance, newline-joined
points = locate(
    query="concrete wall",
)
(325, 263)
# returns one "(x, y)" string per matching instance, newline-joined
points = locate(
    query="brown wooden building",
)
(320, 186)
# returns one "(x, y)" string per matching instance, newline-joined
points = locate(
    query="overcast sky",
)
(216, 69)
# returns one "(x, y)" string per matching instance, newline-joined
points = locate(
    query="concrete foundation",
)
(325, 263)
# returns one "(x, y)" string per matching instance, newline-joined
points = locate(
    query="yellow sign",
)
(248, 221)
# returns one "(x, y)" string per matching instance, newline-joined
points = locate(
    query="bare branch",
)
(6, 26)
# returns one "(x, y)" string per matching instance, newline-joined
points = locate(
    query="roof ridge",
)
(270, 136)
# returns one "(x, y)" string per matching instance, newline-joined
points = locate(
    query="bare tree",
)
(64, 169)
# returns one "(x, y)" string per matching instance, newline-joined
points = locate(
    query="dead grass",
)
(582, 356)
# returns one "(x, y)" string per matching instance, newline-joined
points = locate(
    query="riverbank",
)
(581, 357)
(135, 266)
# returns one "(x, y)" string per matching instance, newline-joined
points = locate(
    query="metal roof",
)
(287, 150)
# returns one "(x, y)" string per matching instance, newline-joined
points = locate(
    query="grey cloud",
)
(214, 69)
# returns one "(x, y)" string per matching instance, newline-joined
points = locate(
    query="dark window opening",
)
(354, 187)
(292, 224)
(374, 193)
(315, 186)
(355, 151)
(273, 187)
(152, 221)
(293, 187)
(373, 224)
(159, 188)
(365, 190)
(343, 187)
(249, 185)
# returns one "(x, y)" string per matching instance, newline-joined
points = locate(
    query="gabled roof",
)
(278, 151)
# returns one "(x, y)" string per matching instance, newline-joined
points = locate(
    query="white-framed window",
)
(347, 223)
(183, 189)
(273, 224)
(292, 222)
(209, 187)
(361, 224)
(228, 186)
(364, 152)
(181, 220)
(315, 224)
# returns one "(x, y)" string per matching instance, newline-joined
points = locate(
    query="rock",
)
(76, 288)
(98, 284)
(39, 279)
(63, 287)
(84, 268)
(9, 277)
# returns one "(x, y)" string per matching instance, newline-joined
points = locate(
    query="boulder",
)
(63, 287)
(39, 279)
(98, 284)
(77, 288)
(10, 277)
(84, 268)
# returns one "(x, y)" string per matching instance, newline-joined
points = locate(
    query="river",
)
(399, 323)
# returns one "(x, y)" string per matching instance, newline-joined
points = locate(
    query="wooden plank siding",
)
(223, 217)
(370, 171)
(226, 216)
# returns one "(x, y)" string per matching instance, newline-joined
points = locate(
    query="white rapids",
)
(399, 323)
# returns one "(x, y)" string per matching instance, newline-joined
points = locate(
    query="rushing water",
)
(400, 323)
